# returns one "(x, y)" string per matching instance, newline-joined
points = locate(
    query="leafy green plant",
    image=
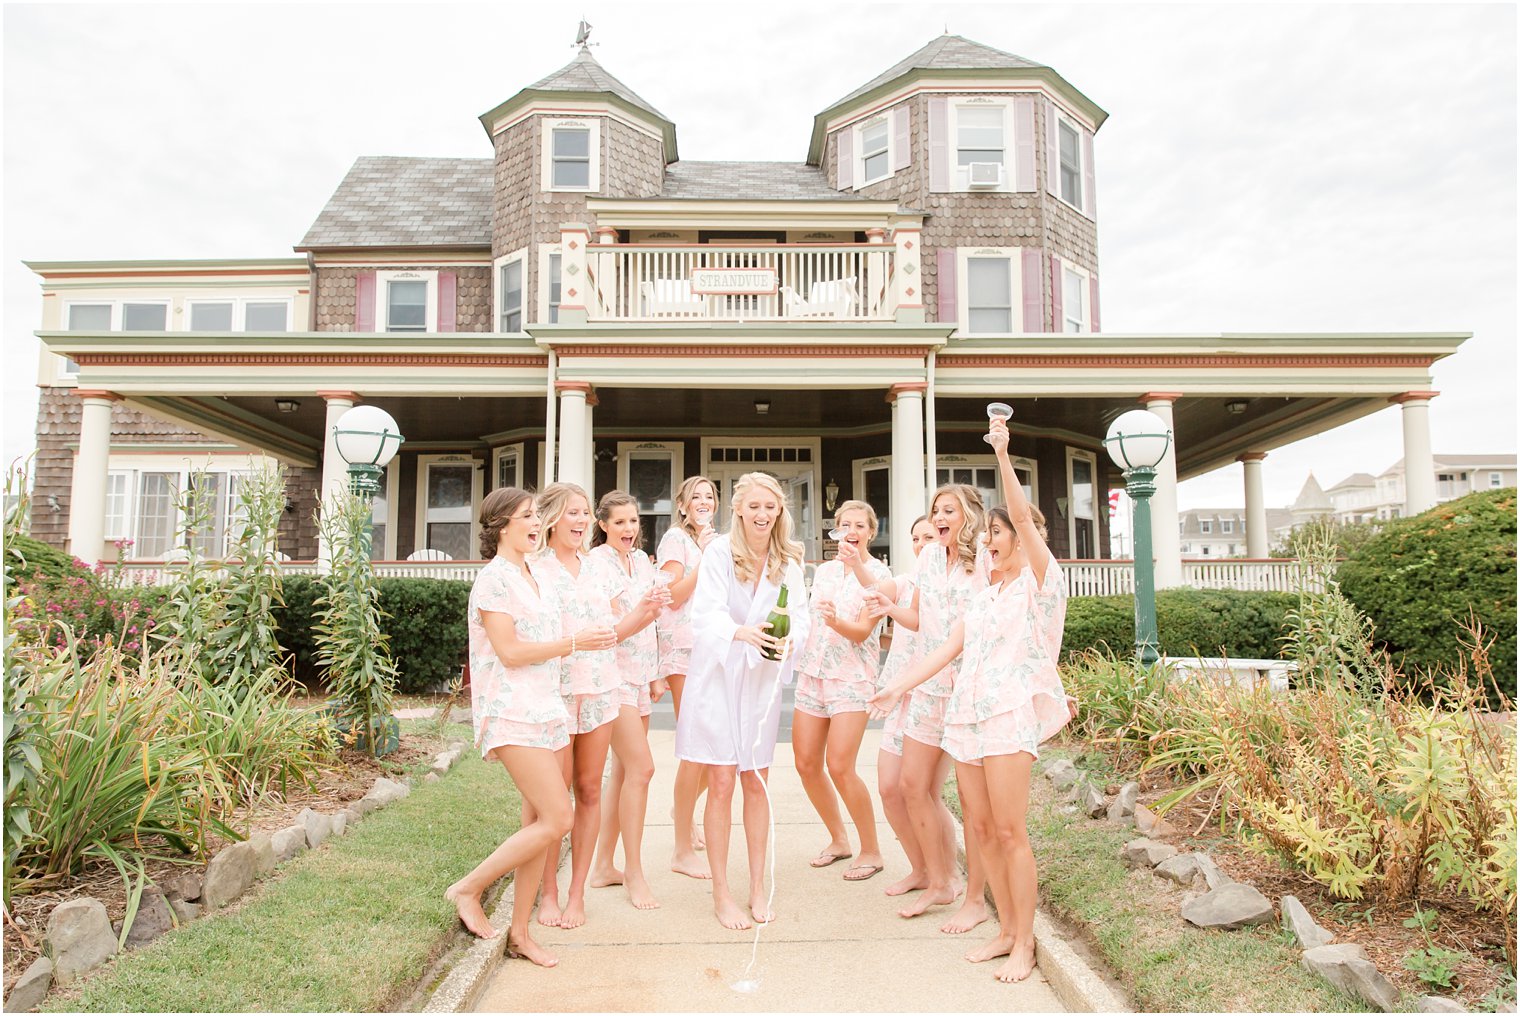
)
(22, 763)
(1205, 622)
(1423, 920)
(351, 645)
(246, 646)
(195, 611)
(1434, 965)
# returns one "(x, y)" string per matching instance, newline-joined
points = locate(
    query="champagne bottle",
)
(781, 624)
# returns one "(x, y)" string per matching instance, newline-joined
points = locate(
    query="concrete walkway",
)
(837, 946)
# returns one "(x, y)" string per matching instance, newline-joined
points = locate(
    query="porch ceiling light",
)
(287, 405)
(762, 406)
(1236, 407)
(367, 436)
(1138, 440)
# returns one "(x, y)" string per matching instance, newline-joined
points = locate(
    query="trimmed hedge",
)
(1201, 622)
(1419, 577)
(425, 622)
(42, 557)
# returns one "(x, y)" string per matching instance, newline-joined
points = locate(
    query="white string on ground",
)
(747, 985)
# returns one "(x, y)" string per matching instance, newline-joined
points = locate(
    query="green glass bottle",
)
(781, 624)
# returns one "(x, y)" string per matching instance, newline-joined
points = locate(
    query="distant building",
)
(1221, 532)
(1361, 497)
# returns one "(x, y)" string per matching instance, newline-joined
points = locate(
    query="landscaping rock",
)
(153, 918)
(1093, 802)
(31, 986)
(1061, 773)
(354, 815)
(1348, 967)
(184, 909)
(1151, 824)
(1215, 878)
(229, 875)
(288, 842)
(1236, 905)
(1297, 920)
(432, 777)
(382, 793)
(264, 858)
(1123, 806)
(1438, 1003)
(188, 886)
(339, 821)
(1144, 853)
(1182, 869)
(79, 937)
(317, 825)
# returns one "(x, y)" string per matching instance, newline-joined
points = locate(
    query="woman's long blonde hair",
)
(684, 495)
(974, 516)
(552, 502)
(782, 551)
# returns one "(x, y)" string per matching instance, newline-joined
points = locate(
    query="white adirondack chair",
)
(671, 298)
(829, 298)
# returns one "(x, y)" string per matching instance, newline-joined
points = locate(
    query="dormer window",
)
(406, 301)
(571, 155)
(875, 161)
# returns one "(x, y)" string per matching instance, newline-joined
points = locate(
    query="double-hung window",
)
(406, 305)
(571, 158)
(1205, 526)
(1496, 479)
(1227, 525)
(989, 294)
(1069, 139)
(979, 136)
(553, 262)
(509, 294)
(875, 159)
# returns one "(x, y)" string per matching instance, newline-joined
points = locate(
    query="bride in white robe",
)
(732, 704)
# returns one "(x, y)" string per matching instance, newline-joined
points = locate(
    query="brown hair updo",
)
(1001, 515)
(610, 500)
(496, 509)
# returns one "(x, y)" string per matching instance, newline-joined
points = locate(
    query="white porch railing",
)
(698, 282)
(1083, 578)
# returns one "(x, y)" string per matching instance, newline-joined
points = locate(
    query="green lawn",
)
(1167, 964)
(350, 926)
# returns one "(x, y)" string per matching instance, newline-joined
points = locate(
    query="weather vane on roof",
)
(583, 34)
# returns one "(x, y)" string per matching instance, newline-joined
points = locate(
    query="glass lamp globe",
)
(367, 435)
(1138, 440)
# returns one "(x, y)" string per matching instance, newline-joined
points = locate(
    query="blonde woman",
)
(590, 684)
(1007, 699)
(948, 573)
(680, 557)
(836, 674)
(516, 643)
(637, 600)
(733, 694)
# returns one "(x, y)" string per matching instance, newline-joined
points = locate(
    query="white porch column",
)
(334, 469)
(1419, 461)
(1166, 541)
(591, 403)
(908, 494)
(1256, 505)
(574, 432)
(87, 494)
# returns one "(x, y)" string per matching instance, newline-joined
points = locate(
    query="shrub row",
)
(1201, 622)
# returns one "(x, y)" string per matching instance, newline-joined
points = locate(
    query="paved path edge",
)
(461, 986)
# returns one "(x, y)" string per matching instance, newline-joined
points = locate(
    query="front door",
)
(796, 480)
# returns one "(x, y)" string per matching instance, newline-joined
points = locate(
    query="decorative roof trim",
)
(500, 118)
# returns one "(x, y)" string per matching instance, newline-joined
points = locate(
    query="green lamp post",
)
(367, 438)
(1137, 442)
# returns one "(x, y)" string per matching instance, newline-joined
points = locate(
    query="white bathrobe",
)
(731, 705)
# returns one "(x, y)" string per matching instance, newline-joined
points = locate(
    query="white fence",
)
(1083, 578)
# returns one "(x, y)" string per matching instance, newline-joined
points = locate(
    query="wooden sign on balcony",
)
(734, 281)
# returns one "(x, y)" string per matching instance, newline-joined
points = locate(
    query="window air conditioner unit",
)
(986, 174)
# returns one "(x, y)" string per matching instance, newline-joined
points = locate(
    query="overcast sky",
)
(1297, 168)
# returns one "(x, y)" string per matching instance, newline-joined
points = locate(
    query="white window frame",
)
(547, 309)
(239, 309)
(1227, 527)
(1084, 289)
(1062, 118)
(68, 370)
(383, 303)
(672, 451)
(120, 314)
(1206, 527)
(500, 453)
(391, 490)
(1495, 480)
(1014, 257)
(1091, 458)
(593, 126)
(420, 520)
(890, 150)
(960, 176)
(126, 479)
(498, 293)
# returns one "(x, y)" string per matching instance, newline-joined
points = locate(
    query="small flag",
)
(1113, 502)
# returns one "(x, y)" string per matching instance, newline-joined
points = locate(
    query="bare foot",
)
(639, 893)
(928, 898)
(730, 916)
(759, 909)
(691, 865)
(531, 951)
(574, 915)
(549, 911)
(999, 946)
(698, 841)
(908, 883)
(470, 912)
(1019, 966)
(601, 878)
(972, 913)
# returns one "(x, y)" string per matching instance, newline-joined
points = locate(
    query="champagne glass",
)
(997, 411)
(662, 580)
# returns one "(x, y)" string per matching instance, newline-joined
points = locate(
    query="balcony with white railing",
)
(753, 282)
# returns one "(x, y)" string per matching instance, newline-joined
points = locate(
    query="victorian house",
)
(581, 303)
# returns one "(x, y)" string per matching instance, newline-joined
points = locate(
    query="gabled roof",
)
(1500, 460)
(1357, 480)
(390, 201)
(750, 181)
(951, 56)
(945, 53)
(584, 78)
